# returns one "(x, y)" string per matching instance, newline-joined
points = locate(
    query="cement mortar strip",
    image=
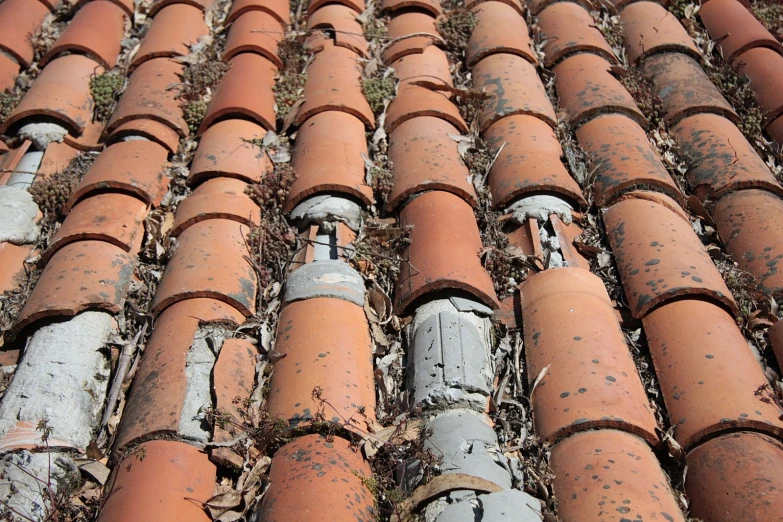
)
(17, 216)
(26, 170)
(43, 133)
(508, 506)
(450, 360)
(327, 211)
(330, 278)
(24, 478)
(540, 206)
(63, 378)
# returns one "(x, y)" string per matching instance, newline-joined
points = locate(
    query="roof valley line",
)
(587, 398)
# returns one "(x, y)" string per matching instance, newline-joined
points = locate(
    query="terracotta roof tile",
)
(566, 235)
(570, 29)
(623, 159)
(684, 88)
(80, 35)
(500, 29)
(720, 158)
(433, 6)
(356, 5)
(514, 87)
(660, 257)
(80, 276)
(257, 32)
(329, 161)
(590, 380)
(735, 477)
(516, 4)
(61, 92)
(342, 20)
(707, 386)
(9, 70)
(148, 97)
(536, 6)
(172, 479)
(431, 66)
(157, 396)
(209, 262)
(173, 31)
(401, 30)
(156, 131)
(444, 251)
(12, 259)
(764, 69)
(158, 5)
(587, 89)
(218, 198)
(245, 92)
(649, 28)
(115, 218)
(51, 4)
(56, 158)
(414, 101)
(19, 19)
(126, 5)
(611, 475)
(775, 129)
(529, 161)
(328, 474)
(89, 140)
(735, 29)
(326, 344)
(226, 149)
(425, 157)
(334, 84)
(280, 9)
(135, 167)
(748, 222)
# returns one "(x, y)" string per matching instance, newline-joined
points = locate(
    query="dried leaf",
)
(407, 431)
(95, 469)
(223, 502)
(292, 112)
(539, 378)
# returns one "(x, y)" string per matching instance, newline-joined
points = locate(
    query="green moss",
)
(377, 90)
(105, 89)
(52, 192)
(736, 89)
(772, 18)
(8, 102)
(201, 77)
(287, 91)
(194, 113)
(641, 89)
(456, 28)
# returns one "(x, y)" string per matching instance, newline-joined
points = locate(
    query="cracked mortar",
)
(326, 211)
(540, 206)
(43, 133)
(17, 216)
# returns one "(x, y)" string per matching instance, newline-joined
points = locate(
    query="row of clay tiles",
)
(707, 372)
(748, 47)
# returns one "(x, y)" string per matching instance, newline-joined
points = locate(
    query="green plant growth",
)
(105, 89)
(377, 90)
(194, 113)
(456, 28)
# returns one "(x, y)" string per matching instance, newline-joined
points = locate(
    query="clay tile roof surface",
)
(388, 260)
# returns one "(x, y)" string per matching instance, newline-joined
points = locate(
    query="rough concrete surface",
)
(540, 207)
(63, 377)
(326, 211)
(325, 279)
(43, 133)
(17, 216)
(506, 506)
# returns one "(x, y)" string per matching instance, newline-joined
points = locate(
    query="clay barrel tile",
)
(85, 275)
(568, 29)
(444, 251)
(174, 30)
(51, 4)
(775, 334)
(413, 101)
(56, 158)
(528, 162)
(684, 88)
(736, 477)
(135, 167)
(356, 5)
(516, 4)
(342, 20)
(234, 377)
(89, 140)
(155, 131)
(708, 386)
(623, 159)
(157, 395)
(735, 28)
(12, 269)
(115, 218)
(399, 34)
(660, 257)
(567, 234)
(326, 344)
(318, 480)
(425, 157)
(514, 88)
(334, 84)
(9, 70)
(328, 157)
(764, 69)
(148, 96)
(587, 89)
(169, 483)
(209, 262)
(649, 28)
(720, 158)
(230, 149)
(80, 36)
(431, 66)
(280, 9)
(158, 6)
(610, 475)
(19, 20)
(61, 92)
(500, 29)
(254, 32)
(433, 6)
(590, 379)
(126, 5)
(775, 130)
(245, 92)
(749, 224)
(536, 6)
(218, 198)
